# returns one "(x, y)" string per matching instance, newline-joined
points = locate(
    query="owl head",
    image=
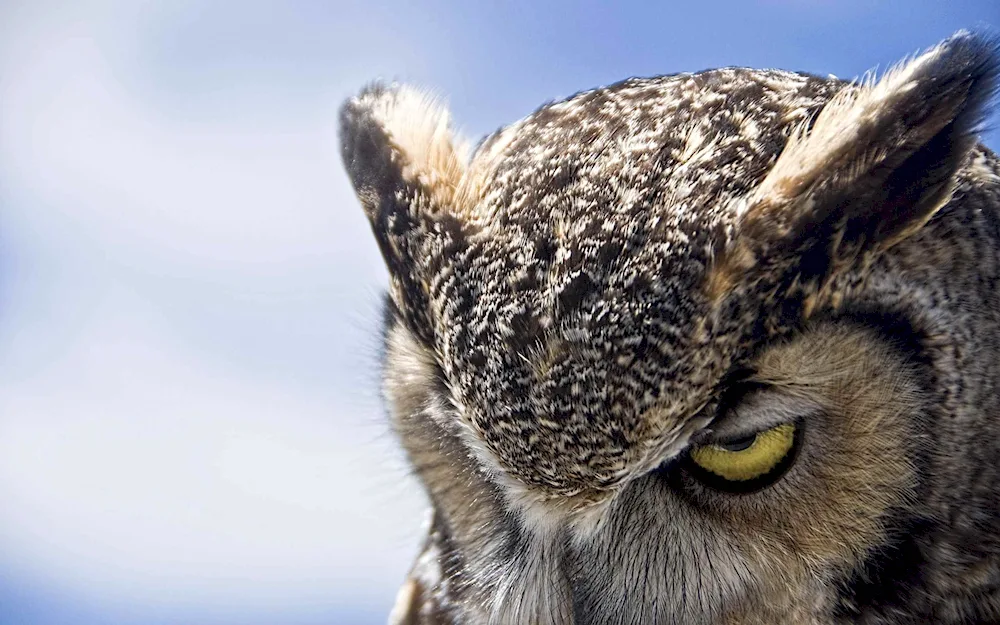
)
(701, 348)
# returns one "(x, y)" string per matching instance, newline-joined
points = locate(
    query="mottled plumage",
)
(692, 260)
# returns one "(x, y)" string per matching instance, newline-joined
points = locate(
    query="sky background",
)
(189, 424)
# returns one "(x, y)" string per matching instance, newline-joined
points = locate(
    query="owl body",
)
(702, 348)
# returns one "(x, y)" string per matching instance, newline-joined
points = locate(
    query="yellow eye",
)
(747, 458)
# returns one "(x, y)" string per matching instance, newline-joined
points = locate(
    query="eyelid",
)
(759, 410)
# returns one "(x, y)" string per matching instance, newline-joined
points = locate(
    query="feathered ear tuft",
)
(406, 165)
(395, 134)
(878, 161)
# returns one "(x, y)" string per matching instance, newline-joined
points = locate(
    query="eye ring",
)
(748, 463)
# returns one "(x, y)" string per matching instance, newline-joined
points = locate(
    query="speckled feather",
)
(583, 262)
(590, 279)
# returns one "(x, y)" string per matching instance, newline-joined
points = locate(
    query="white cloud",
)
(137, 466)
(133, 466)
(245, 187)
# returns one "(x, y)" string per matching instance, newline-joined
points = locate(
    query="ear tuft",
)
(406, 166)
(405, 133)
(937, 100)
(878, 161)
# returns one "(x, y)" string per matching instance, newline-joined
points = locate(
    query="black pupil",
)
(738, 444)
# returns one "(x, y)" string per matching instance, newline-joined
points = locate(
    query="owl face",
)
(662, 352)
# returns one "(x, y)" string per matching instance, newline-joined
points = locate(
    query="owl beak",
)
(421, 598)
(410, 608)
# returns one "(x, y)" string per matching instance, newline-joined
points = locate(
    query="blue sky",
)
(189, 426)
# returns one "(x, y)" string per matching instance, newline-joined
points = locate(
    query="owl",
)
(707, 348)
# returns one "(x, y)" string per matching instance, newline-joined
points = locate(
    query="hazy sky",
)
(189, 427)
